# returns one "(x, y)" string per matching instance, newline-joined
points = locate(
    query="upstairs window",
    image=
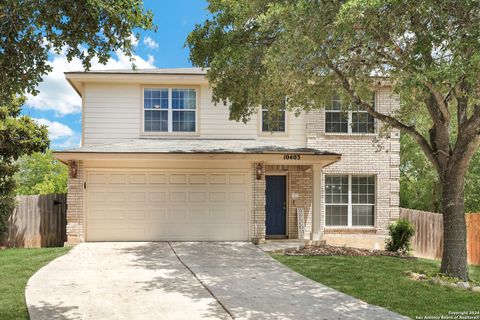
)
(169, 110)
(349, 200)
(273, 121)
(339, 120)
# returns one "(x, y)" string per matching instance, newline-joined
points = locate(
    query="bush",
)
(401, 232)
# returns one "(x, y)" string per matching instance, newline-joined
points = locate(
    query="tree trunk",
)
(454, 259)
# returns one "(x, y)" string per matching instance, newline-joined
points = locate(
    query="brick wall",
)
(75, 208)
(258, 204)
(361, 155)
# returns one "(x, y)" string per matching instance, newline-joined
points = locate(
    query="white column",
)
(316, 203)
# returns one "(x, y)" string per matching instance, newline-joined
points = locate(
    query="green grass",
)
(16, 267)
(381, 281)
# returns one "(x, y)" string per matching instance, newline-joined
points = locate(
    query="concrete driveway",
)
(183, 280)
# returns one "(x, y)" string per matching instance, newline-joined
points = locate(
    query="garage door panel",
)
(237, 179)
(217, 196)
(154, 205)
(197, 179)
(136, 197)
(157, 178)
(157, 196)
(132, 233)
(178, 196)
(237, 196)
(197, 196)
(218, 178)
(107, 215)
(177, 179)
(137, 178)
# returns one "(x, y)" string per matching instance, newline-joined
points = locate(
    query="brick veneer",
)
(75, 208)
(258, 204)
(361, 155)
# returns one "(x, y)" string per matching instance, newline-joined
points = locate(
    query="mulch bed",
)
(327, 250)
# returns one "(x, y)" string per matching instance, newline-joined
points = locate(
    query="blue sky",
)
(58, 106)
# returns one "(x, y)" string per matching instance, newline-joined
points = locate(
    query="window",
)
(273, 121)
(349, 200)
(338, 120)
(169, 110)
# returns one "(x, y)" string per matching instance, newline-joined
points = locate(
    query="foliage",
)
(19, 135)
(30, 31)
(401, 233)
(260, 51)
(381, 281)
(472, 185)
(40, 173)
(419, 183)
(16, 267)
(83, 29)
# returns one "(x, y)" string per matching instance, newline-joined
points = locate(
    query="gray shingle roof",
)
(194, 146)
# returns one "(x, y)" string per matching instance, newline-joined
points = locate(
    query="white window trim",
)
(170, 131)
(350, 204)
(350, 123)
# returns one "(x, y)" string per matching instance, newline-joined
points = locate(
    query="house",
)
(159, 161)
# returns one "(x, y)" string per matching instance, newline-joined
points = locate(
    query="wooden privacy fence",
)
(428, 239)
(473, 238)
(37, 221)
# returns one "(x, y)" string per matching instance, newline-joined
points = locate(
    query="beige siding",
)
(112, 112)
(214, 124)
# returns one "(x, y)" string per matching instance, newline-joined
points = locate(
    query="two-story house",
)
(159, 161)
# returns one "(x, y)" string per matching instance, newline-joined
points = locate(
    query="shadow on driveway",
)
(153, 281)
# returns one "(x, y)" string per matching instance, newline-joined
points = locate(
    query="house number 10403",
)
(291, 157)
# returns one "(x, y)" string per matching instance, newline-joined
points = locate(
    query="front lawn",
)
(16, 267)
(381, 281)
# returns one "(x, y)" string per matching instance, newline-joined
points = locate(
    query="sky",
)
(59, 107)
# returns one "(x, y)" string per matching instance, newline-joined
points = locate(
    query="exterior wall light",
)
(259, 170)
(73, 169)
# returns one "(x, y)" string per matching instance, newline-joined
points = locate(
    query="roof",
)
(162, 71)
(193, 146)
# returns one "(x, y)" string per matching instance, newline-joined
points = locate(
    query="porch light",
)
(295, 197)
(73, 169)
(259, 170)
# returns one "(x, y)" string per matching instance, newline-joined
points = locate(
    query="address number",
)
(291, 157)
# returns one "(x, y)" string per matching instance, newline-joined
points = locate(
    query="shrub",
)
(401, 232)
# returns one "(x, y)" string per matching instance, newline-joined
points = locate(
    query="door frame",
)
(287, 202)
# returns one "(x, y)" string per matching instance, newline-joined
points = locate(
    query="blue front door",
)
(275, 206)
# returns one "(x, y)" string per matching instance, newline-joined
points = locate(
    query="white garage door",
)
(138, 205)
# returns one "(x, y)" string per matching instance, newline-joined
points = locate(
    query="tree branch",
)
(441, 102)
(410, 130)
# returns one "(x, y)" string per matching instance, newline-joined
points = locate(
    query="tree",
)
(29, 31)
(19, 135)
(83, 29)
(40, 173)
(419, 185)
(472, 185)
(260, 51)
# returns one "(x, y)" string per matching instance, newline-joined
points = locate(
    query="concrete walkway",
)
(183, 281)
